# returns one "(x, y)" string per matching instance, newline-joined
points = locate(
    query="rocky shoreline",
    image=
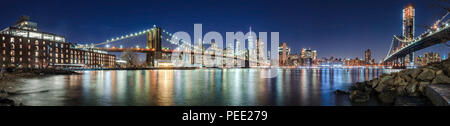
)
(409, 83)
(7, 80)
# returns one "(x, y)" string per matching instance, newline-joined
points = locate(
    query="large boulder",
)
(405, 76)
(374, 83)
(426, 75)
(422, 86)
(411, 89)
(359, 96)
(441, 78)
(446, 67)
(387, 97)
(401, 90)
(380, 87)
(415, 73)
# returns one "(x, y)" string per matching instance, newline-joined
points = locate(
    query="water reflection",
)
(223, 87)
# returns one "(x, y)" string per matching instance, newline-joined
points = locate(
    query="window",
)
(36, 42)
(3, 38)
(13, 59)
(12, 39)
(37, 54)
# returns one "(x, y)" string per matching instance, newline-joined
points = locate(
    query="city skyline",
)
(373, 28)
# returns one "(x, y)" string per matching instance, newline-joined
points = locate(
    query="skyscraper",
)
(408, 21)
(408, 28)
(284, 54)
(367, 57)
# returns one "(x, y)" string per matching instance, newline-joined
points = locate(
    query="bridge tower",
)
(154, 43)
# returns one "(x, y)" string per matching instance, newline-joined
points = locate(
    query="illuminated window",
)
(20, 46)
(12, 39)
(12, 46)
(36, 42)
(3, 38)
(37, 48)
(37, 54)
(4, 44)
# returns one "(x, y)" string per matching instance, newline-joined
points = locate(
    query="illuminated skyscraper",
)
(408, 21)
(408, 28)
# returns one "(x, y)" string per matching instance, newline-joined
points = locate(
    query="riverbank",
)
(409, 84)
(9, 79)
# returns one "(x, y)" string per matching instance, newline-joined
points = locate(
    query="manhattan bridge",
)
(403, 47)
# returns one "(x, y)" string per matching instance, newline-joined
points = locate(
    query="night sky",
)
(339, 28)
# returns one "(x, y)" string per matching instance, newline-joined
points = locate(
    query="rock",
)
(339, 92)
(426, 75)
(415, 73)
(373, 83)
(6, 101)
(398, 81)
(387, 97)
(446, 67)
(406, 77)
(359, 96)
(380, 87)
(401, 90)
(441, 78)
(411, 89)
(422, 86)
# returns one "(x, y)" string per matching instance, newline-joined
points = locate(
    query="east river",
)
(197, 87)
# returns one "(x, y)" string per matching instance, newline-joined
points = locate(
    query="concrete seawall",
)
(438, 94)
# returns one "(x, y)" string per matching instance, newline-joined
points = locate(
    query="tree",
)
(132, 58)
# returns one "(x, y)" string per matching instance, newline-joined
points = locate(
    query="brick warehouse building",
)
(22, 46)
